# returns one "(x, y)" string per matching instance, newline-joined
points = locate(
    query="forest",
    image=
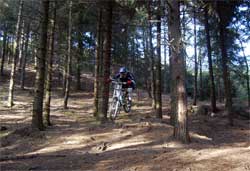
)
(125, 85)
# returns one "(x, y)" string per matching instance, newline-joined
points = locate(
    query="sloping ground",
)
(136, 141)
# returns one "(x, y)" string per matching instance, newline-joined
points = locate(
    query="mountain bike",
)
(120, 99)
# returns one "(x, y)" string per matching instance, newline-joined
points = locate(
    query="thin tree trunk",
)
(97, 63)
(49, 67)
(165, 58)
(195, 62)
(21, 48)
(102, 113)
(158, 65)
(8, 48)
(13, 67)
(247, 73)
(25, 57)
(211, 75)
(68, 71)
(178, 73)
(201, 79)
(225, 61)
(37, 117)
(80, 55)
(11, 51)
(4, 50)
(152, 70)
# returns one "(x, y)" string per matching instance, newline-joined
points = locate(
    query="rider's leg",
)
(130, 93)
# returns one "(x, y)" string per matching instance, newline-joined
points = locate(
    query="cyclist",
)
(125, 76)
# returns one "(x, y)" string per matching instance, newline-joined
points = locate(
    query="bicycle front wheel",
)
(127, 105)
(114, 109)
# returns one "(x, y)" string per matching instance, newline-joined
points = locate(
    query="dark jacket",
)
(128, 77)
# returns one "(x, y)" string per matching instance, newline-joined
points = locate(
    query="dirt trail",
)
(136, 141)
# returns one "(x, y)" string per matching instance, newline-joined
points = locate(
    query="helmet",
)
(123, 70)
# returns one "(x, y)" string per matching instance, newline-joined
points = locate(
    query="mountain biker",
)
(125, 76)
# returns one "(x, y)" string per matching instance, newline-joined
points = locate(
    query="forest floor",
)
(135, 142)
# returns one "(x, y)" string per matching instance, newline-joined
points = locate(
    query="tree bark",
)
(21, 48)
(14, 60)
(247, 73)
(49, 67)
(211, 75)
(178, 73)
(107, 26)
(4, 50)
(68, 71)
(158, 66)
(201, 79)
(80, 55)
(225, 61)
(24, 58)
(97, 63)
(152, 60)
(37, 117)
(195, 62)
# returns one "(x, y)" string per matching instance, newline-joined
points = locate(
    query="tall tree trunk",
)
(68, 71)
(247, 73)
(147, 62)
(158, 65)
(201, 79)
(178, 72)
(49, 66)
(173, 100)
(152, 70)
(4, 50)
(21, 48)
(25, 57)
(80, 55)
(8, 48)
(165, 58)
(37, 117)
(97, 62)
(211, 75)
(107, 31)
(225, 62)
(11, 50)
(195, 62)
(13, 67)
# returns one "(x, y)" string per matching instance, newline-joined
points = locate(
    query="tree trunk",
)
(178, 73)
(25, 57)
(49, 66)
(21, 48)
(80, 55)
(104, 92)
(37, 117)
(68, 71)
(11, 51)
(4, 50)
(225, 62)
(201, 79)
(165, 59)
(97, 63)
(195, 62)
(211, 75)
(158, 65)
(247, 73)
(173, 101)
(13, 67)
(151, 54)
